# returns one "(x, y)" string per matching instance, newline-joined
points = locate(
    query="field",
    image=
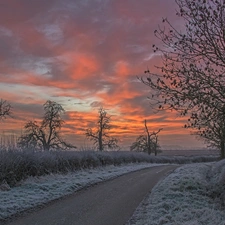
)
(29, 179)
(188, 152)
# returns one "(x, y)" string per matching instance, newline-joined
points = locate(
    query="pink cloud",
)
(91, 52)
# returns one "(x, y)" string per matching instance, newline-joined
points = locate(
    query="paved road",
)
(109, 203)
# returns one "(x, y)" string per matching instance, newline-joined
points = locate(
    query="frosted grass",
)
(37, 191)
(193, 194)
(185, 197)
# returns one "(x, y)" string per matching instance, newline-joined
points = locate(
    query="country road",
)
(108, 203)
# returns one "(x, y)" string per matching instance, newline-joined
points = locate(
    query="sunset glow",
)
(83, 55)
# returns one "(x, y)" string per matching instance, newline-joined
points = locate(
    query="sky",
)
(85, 54)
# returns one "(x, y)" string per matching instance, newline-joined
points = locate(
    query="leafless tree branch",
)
(46, 134)
(191, 79)
(100, 136)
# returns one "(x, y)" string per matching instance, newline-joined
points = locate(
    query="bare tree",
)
(147, 143)
(152, 140)
(5, 109)
(191, 79)
(140, 145)
(45, 135)
(100, 135)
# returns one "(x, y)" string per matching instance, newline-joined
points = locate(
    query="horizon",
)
(84, 55)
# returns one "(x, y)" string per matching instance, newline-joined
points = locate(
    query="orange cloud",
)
(122, 69)
(53, 50)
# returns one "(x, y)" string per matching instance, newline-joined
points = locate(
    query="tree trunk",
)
(46, 146)
(222, 149)
(148, 139)
(156, 145)
(100, 142)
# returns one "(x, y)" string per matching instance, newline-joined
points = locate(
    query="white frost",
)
(183, 198)
(36, 191)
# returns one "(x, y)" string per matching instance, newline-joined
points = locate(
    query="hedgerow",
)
(16, 165)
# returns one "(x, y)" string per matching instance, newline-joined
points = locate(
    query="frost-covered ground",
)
(192, 195)
(36, 191)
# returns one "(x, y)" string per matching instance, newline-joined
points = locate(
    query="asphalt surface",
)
(108, 203)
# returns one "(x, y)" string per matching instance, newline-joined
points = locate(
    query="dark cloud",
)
(86, 50)
(14, 12)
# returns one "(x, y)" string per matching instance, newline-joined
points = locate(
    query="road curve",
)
(108, 203)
